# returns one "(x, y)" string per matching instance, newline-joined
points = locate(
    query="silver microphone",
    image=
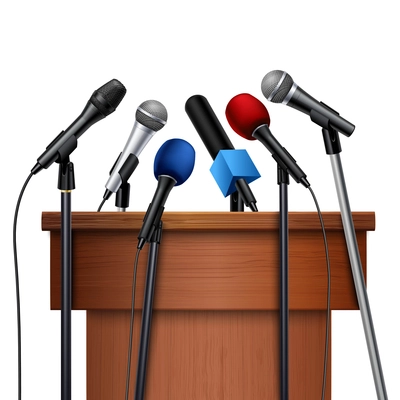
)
(278, 86)
(151, 116)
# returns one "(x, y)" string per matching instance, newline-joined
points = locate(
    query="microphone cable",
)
(128, 369)
(128, 373)
(101, 205)
(17, 284)
(328, 299)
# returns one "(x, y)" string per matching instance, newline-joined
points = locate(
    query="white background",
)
(54, 55)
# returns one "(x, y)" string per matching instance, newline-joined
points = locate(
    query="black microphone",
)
(103, 102)
(278, 87)
(215, 139)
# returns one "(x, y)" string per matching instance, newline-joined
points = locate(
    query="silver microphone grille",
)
(152, 114)
(276, 85)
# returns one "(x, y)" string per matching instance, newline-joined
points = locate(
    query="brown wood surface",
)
(364, 221)
(215, 326)
(208, 261)
(207, 355)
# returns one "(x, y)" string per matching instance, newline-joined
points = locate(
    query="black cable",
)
(328, 300)
(128, 373)
(17, 285)
(101, 204)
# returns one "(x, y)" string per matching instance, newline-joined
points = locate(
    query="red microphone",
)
(245, 114)
(249, 118)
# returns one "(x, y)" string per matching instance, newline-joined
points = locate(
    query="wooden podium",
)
(215, 327)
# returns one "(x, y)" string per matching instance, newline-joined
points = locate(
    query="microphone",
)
(231, 165)
(173, 164)
(278, 87)
(215, 139)
(103, 102)
(151, 116)
(249, 118)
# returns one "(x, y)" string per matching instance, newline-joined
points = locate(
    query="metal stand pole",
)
(355, 261)
(283, 181)
(66, 184)
(147, 314)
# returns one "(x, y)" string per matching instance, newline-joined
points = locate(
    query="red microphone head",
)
(245, 113)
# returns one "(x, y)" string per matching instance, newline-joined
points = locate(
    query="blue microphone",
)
(173, 164)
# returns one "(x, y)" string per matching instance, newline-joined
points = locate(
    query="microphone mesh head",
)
(175, 158)
(272, 85)
(245, 113)
(107, 98)
(152, 114)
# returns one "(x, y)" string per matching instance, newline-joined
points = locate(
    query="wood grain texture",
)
(215, 326)
(207, 221)
(208, 261)
(213, 355)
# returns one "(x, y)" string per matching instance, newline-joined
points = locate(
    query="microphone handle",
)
(156, 208)
(246, 194)
(305, 103)
(280, 154)
(88, 117)
(207, 125)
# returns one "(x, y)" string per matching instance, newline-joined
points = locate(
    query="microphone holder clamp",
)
(125, 172)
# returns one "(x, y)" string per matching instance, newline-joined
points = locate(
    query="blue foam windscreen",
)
(176, 159)
(231, 165)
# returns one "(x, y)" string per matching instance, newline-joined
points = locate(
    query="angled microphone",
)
(173, 164)
(215, 139)
(279, 87)
(103, 102)
(150, 117)
(249, 118)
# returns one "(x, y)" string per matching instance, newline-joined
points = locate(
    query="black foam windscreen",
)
(107, 98)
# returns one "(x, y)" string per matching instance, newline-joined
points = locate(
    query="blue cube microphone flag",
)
(231, 165)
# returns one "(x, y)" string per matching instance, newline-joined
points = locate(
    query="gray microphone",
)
(279, 87)
(151, 116)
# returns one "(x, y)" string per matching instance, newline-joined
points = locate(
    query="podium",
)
(215, 326)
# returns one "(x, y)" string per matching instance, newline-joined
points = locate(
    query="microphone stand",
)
(283, 182)
(333, 148)
(66, 183)
(286, 165)
(147, 313)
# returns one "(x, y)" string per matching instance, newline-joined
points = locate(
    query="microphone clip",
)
(66, 176)
(331, 141)
(320, 119)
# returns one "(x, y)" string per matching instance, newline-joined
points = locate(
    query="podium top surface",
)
(256, 221)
